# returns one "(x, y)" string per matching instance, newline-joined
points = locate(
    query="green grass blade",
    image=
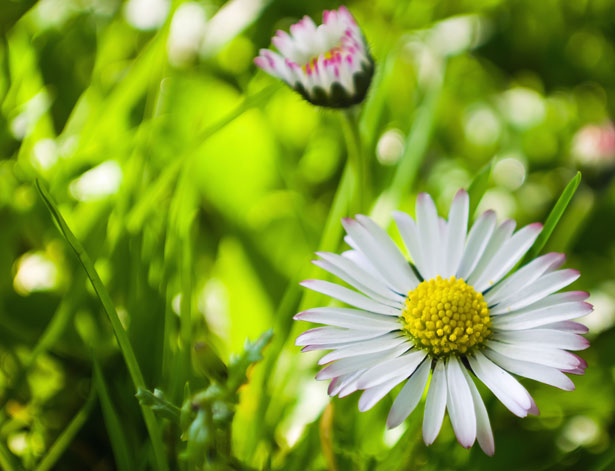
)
(151, 197)
(54, 330)
(333, 231)
(479, 186)
(554, 216)
(417, 143)
(120, 334)
(297, 299)
(115, 431)
(416, 147)
(66, 437)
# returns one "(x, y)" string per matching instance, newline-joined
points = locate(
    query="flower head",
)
(329, 64)
(455, 312)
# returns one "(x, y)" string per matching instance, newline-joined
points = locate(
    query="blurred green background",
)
(197, 184)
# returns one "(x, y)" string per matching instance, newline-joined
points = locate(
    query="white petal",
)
(390, 248)
(350, 297)
(544, 374)
(483, 426)
(342, 275)
(329, 346)
(524, 277)
(435, 406)
(391, 268)
(457, 231)
(552, 357)
(333, 335)
(508, 256)
(547, 301)
(575, 371)
(339, 383)
(370, 397)
(365, 278)
(410, 235)
(530, 317)
(478, 239)
(350, 385)
(349, 318)
(500, 236)
(402, 366)
(359, 362)
(410, 395)
(274, 64)
(429, 233)
(379, 344)
(362, 262)
(335, 385)
(545, 285)
(534, 409)
(567, 326)
(544, 337)
(460, 404)
(506, 388)
(443, 229)
(285, 44)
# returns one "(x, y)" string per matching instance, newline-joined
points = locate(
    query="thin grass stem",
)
(120, 334)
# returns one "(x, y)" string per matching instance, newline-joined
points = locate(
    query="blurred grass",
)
(200, 189)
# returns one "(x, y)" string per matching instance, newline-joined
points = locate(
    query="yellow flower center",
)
(446, 316)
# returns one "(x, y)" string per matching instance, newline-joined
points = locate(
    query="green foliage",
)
(555, 215)
(205, 418)
(479, 186)
(197, 189)
(129, 356)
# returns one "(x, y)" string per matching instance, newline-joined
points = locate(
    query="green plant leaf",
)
(158, 403)
(252, 353)
(67, 436)
(115, 431)
(554, 216)
(120, 334)
(479, 186)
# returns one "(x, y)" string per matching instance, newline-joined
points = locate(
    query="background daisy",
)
(330, 64)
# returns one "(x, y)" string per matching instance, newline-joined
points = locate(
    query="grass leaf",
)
(122, 338)
(115, 431)
(554, 216)
(66, 437)
(479, 186)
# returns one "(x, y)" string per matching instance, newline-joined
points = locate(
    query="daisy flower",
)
(329, 65)
(454, 313)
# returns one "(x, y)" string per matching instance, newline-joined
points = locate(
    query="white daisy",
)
(329, 65)
(452, 312)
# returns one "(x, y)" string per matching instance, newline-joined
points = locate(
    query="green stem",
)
(356, 158)
(120, 334)
(333, 231)
(349, 186)
(115, 431)
(295, 296)
(417, 144)
(185, 310)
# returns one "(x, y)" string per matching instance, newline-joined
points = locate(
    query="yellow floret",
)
(446, 316)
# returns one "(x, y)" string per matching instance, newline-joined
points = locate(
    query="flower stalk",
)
(357, 160)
